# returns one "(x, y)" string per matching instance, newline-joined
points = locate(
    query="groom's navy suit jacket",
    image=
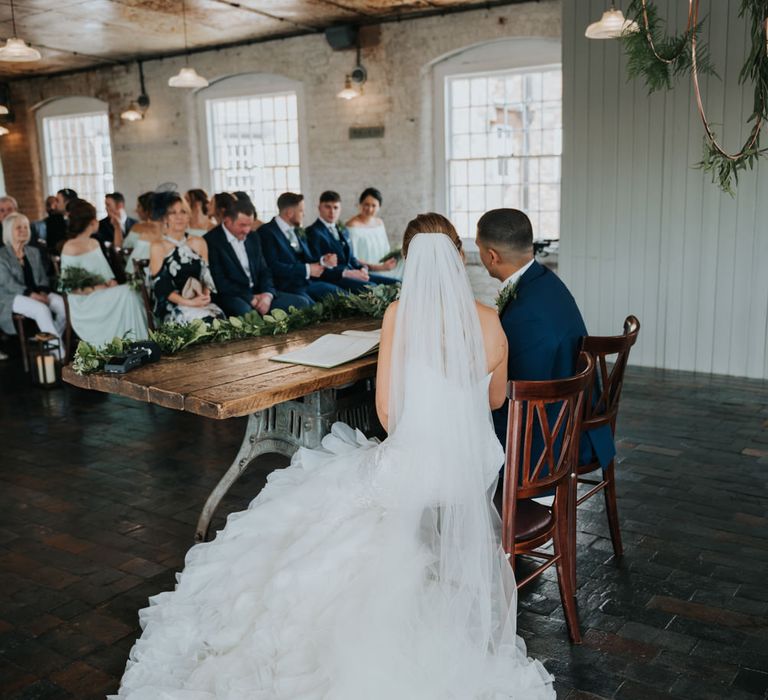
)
(544, 329)
(322, 241)
(228, 273)
(289, 267)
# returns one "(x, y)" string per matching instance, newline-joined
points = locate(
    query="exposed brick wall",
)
(165, 146)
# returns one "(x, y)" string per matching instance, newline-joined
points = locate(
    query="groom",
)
(540, 318)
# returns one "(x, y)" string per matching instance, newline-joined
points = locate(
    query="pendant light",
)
(612, 25)
(187, 77)
(358, 76)
(15, 49)
(138, 109)
(4, 131)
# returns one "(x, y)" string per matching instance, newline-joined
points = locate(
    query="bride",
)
(366, 570)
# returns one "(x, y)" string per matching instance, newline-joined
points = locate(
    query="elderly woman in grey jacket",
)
(24, 286)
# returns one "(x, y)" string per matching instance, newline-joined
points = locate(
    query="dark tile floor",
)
(99, 496)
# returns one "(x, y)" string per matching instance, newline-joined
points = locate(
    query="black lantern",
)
(43, 351)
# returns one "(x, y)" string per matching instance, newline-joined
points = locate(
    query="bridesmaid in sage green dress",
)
(106, 310)
(143, 233)
(369, 237)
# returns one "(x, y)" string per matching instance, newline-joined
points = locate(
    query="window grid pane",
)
(254, 147)
(78, 155)
(504, 147)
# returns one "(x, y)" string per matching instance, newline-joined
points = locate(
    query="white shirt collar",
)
(515, 276)
(285, 227)
(231, 237)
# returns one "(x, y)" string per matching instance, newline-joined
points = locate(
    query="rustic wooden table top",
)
(225, 380)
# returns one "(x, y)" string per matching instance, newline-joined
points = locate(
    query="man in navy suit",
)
(540, 318)
(116, 225)
(243, 278)
(294, 267)
(328, 236)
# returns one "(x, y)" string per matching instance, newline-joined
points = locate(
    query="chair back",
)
(141, 268)
(555, 408)
(604, 406)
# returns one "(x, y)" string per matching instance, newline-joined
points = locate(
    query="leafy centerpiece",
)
(175, 337)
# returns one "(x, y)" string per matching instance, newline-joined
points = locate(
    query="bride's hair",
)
(430, 223)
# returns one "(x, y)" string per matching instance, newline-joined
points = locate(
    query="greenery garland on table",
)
(174, 337)
(76, 278)
(660, 60)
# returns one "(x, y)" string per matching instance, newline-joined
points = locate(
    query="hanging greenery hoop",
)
(659, 60)
(724, 167)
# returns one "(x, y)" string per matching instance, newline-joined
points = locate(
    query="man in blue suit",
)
(294, 267)
(328, 236)
(243, 278)
(540, 318)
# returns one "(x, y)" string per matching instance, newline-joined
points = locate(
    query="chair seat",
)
(531, 520)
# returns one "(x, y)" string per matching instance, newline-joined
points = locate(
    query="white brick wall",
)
(398, 95)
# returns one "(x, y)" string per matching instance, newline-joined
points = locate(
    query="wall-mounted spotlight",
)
(345, 37)
(138, 109)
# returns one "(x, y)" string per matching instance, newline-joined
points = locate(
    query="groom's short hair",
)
(508, 229)
(330, 196)
(288, 199)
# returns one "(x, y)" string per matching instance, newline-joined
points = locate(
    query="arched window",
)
(499, 141)
(77, 152)
(252, 128)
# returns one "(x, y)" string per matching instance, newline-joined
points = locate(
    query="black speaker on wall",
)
(341, 37)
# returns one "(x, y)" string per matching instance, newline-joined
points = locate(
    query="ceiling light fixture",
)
(137, 110)
(15, 49)
(187, 77)
(612, 25)
(4, 131)
(358, 76)
(4, 110)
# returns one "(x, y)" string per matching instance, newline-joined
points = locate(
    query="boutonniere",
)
(300, 233)
(342, 229)
(506, 294)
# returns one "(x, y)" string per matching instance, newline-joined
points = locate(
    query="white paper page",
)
(364, 334)
(330, 351)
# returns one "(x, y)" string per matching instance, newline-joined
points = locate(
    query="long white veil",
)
(439, 415)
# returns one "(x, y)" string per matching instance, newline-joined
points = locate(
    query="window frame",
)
(501, 56)
(71, 106)
(250, 85)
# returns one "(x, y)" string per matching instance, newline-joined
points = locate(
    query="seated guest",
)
(327, 236)
(294, 267)
(240, 195)
(218, 205)
(199, 220)
(116, 225)
(241, 274)
(8, 205)
(56, 222)
(540, 318)
(104, 310)
(369, 237)
(178, 263)
(143, 233)
(24, 284)
(39, 230)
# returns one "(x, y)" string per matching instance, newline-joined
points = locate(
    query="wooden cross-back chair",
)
(141, 268)
(610, 354)
(553, 410)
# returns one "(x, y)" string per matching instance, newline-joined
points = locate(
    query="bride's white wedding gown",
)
(364, 570)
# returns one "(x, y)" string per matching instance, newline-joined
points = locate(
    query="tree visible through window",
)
(504, 145)
(254, 146)
(78, 156)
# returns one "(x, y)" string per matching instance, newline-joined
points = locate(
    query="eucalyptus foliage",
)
(175, 337)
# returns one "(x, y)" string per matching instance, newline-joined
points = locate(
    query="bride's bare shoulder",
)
(489, 317)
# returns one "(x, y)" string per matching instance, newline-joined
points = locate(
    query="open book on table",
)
(334, 349)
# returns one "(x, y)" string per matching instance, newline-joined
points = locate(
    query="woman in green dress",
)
(105, 309)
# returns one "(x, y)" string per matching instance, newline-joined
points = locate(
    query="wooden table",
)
(288, 406)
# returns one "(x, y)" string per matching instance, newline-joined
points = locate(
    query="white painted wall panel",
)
(644, 232)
